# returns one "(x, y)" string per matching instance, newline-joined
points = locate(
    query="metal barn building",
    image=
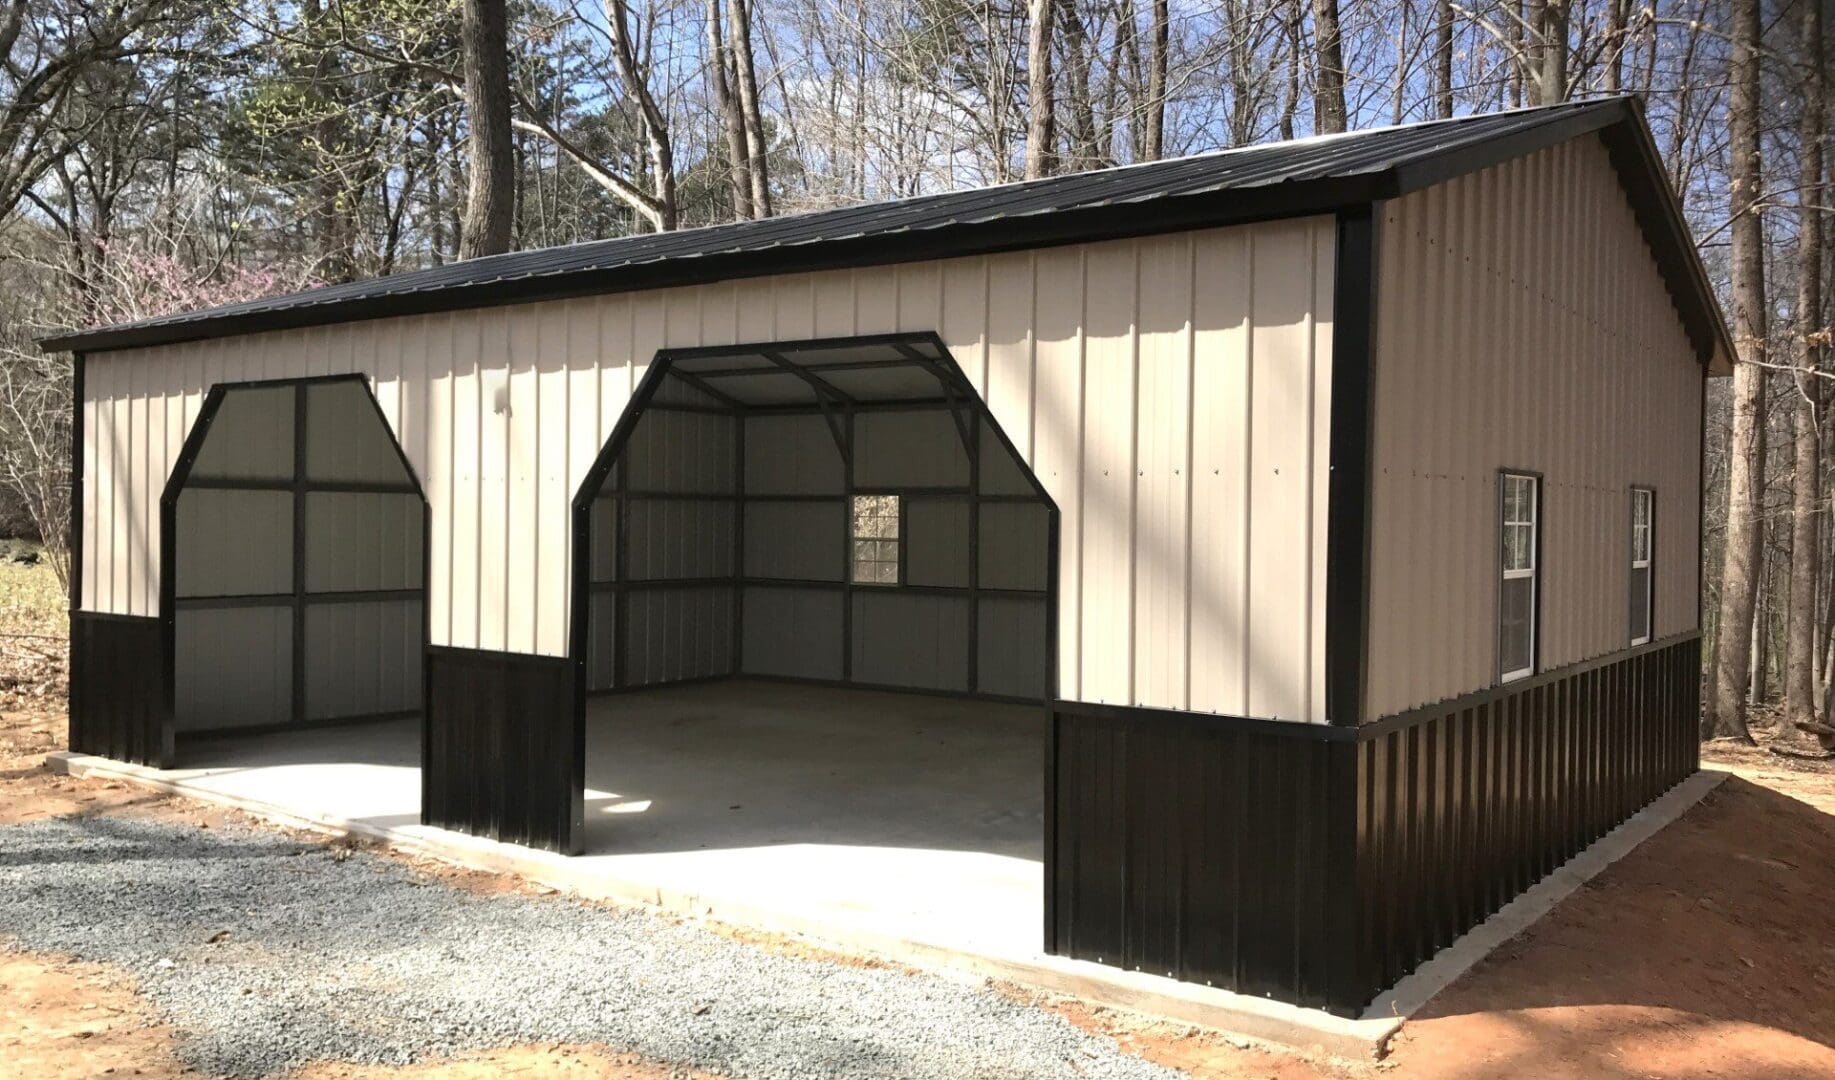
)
(1337, 500)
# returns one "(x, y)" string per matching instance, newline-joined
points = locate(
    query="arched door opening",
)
(814, 605)
(294, 531)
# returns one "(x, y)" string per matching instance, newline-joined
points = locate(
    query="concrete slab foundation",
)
(896, 824)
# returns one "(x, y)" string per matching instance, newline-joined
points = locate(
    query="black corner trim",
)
(77, 436)
(1347, 545)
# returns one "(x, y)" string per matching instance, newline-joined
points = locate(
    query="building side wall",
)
(1522, 323)
(1191, 570)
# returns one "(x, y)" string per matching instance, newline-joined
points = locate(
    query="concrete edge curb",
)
(1313, 1030)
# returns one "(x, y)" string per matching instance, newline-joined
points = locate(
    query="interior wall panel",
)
(251, 438)
(252, 558)
(675, 634)
(361, 540)
(233, 668)
(1011, 653)
(363, 659)
(910, 639)
(677, 538)
(908, 450)
(1012, 535)
(797, 540)
(501, 412)
(792, 632)
(937, 542)
(343, 443)
(1540, 337)
(679, 525)
(791, 455)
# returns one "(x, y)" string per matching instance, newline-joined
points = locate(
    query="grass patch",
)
(32, 603)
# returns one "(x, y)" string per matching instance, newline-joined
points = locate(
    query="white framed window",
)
(1643, 561)
(874, 530)
(1519, 522)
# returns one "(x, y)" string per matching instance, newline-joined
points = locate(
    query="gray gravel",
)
(365, 960)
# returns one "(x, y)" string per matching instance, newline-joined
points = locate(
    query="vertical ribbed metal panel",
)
(1320, 866)
(1219, 854)
(1190, 552)
(118, 689)
(668, 512)
(1462, 807)
(1522, 323)
(502, 761)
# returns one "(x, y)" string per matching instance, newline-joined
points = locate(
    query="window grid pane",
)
(875, 536)
(1517, 593)
(1642, 510)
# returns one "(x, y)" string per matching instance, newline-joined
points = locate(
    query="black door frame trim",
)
(179, 478)
(580, 585)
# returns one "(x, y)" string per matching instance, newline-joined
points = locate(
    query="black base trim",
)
(1320, 864)
(499, 758)
(120, 702)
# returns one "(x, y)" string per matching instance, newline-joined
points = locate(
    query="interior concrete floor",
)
(899, 815)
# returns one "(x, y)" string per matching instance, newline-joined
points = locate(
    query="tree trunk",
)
(1617, 16)
(1746, 445)
(1551, 71)
(1805, 490)
(1328, 69)
(1153, 146)
(718, 63)
(490, 202)
(746, 72)
(1443, 61)
(1039, 132)
(658, 144)
(332, 233)
(1290, 100)
(1078, 105)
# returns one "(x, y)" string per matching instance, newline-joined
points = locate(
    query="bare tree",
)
(1739, 580)
(1806, 495)
(1040, 131)
(657, 138)
(739, 155)
(1616, 39)
(746, 80)
(1550, 53)
(1443, 60)
(1153, 141)
(490, 205)
(1328, 68)
(45, 47)
(35, 406)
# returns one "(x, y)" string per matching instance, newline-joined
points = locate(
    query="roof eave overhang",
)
(1055, 228)
(1619, 122)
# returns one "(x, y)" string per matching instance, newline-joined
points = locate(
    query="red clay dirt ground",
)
(1708, 952)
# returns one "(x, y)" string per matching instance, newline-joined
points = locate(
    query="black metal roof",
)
(1306, 176)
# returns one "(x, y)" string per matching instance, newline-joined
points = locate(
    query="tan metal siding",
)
(1522, 323)
(1124, 373)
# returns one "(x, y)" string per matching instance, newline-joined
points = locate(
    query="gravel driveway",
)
(265, 952)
